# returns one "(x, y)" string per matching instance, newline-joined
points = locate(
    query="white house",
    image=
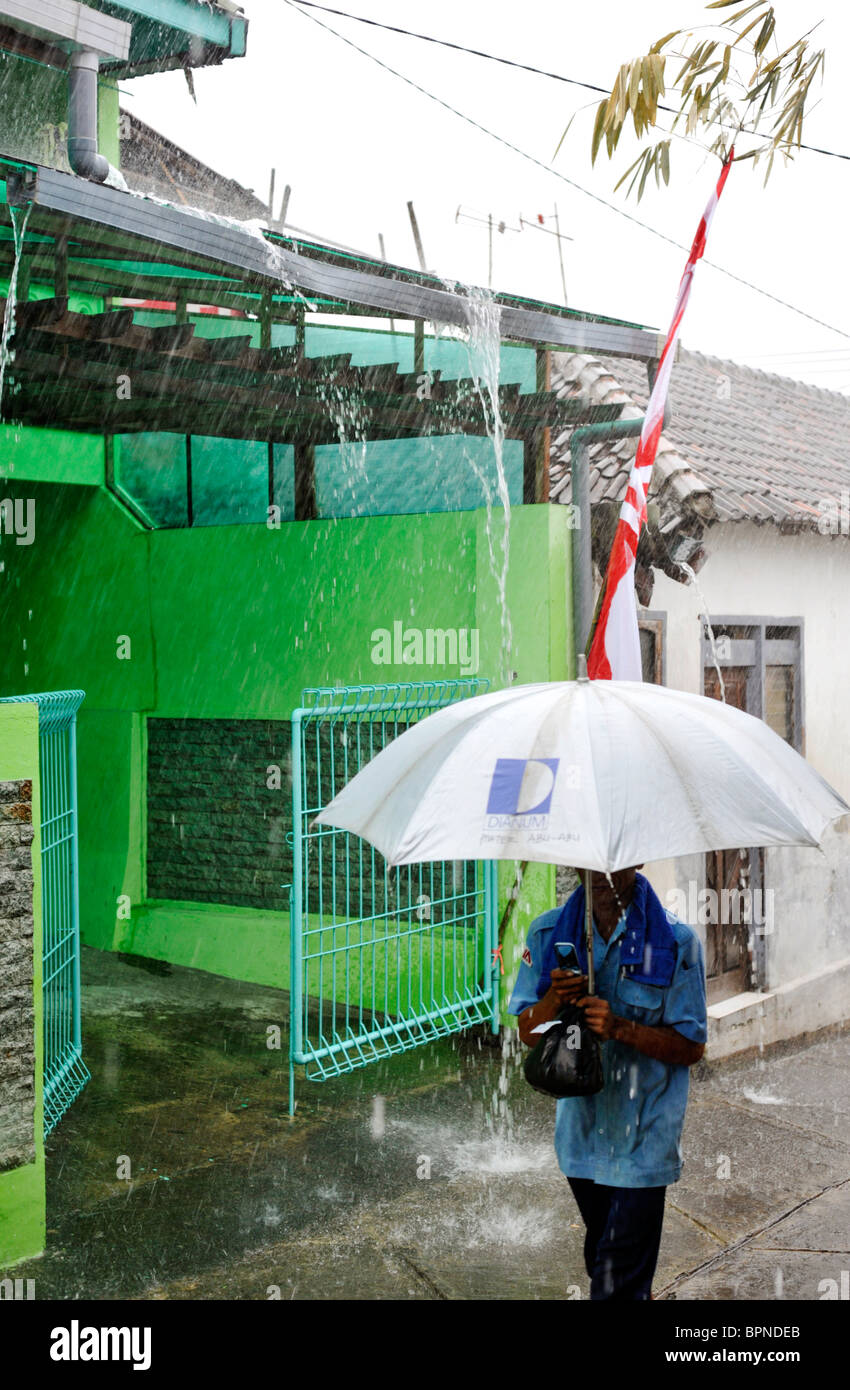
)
(752, 493)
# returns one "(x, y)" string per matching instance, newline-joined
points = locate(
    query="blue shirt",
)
(629, 1133)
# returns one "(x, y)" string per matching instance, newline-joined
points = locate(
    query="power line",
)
(563, 177)
(822, 354)
(839, 370)
(446, 43)
(507, 62)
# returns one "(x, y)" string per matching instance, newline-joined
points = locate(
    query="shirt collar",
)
(601, 947)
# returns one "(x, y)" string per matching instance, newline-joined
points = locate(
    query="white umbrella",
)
(598, 774)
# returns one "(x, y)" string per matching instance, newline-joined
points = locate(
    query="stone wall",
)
(17, 1020)
(219, 809)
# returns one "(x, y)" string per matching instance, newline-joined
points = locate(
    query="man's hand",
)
(564, 989)
(661, 1041)
(600, 1020)
(568, 986)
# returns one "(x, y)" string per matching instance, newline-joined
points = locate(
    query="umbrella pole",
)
(588, 929)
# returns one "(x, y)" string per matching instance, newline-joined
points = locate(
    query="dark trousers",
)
(623, 1236)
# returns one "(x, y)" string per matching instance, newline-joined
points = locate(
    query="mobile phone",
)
(567, 957)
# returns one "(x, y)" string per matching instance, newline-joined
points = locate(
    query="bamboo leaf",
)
(564, 136)
(634, 83)
(706, 67)
(765, 34)
(776, 96)
(648, 85)
(651, 98)
(622, 93)
(659, 43)
(769, 169)
(724, 5)
(759, 87)
(659, 63)
(751, 25)
(703, 52)
(598, 131)
(684, 68)
(632, 167)
(640, 115)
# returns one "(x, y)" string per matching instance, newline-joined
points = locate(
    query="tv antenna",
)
(539, 225)
(492, 224)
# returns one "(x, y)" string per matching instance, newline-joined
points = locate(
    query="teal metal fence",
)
(382, 960)
(65, 1073)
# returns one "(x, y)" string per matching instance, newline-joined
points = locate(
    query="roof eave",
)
(75, 201)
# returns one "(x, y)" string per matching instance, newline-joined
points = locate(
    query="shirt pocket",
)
(644, 1003)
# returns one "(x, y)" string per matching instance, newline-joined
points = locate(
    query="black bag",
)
(563, 1062)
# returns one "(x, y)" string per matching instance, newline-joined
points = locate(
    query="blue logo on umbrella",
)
(522, 786)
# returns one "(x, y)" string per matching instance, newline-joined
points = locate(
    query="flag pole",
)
(615, 646)
(582, 676)
(588, 928)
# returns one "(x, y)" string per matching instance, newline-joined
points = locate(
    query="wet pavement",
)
(178, 1174)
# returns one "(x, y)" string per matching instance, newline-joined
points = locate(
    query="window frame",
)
(655, 620)
(755, 652)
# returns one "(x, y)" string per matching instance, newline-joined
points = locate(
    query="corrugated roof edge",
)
(221, 242)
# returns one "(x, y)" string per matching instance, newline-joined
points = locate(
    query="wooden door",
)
(726, 949)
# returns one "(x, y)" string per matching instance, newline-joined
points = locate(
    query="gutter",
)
(83, 154)
(229, 244)
(89, 36)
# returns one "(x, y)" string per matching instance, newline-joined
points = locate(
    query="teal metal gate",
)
(65, 1073)
(382, 960)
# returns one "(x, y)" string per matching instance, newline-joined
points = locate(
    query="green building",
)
(244, 476)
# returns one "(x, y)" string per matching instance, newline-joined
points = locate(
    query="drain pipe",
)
(580, 441)
(83, 156)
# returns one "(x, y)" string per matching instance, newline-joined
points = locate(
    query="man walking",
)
(619, 1149)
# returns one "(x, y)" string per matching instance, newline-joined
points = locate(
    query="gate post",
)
(76, 1025)
(491, 910)
(295, 911)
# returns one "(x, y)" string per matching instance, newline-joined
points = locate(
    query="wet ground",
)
(179, 1175)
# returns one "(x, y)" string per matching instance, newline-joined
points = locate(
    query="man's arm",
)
(662, 1042)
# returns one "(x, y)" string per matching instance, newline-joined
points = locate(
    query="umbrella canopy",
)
(600, 774)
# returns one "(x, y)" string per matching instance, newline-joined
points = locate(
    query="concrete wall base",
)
(803, 1005)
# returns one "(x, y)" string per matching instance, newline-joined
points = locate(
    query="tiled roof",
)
(741, 445)
(152, 163)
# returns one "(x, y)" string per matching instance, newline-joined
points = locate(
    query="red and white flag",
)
(615, 650)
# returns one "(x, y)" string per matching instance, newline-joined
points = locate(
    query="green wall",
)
(22, 1203)
(34, 113)
(232, 622)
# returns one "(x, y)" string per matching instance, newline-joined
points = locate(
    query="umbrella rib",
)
(768, 795)
(694, 805)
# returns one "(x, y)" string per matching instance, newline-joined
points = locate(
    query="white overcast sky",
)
(356, 143)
